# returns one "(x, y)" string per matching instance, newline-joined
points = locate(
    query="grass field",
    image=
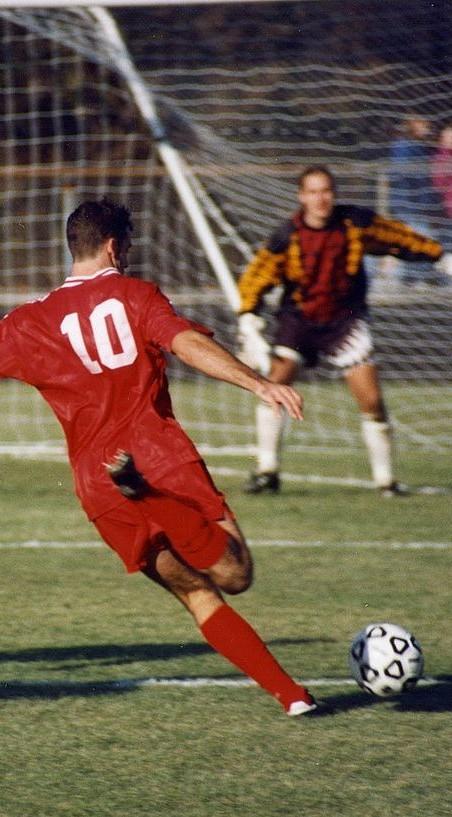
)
(219, 415)
(82, 735)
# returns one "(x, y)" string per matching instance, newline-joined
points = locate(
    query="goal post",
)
(170, 157)
(206, 154)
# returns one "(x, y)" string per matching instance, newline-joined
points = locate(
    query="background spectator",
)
(413, 198)
(442, 180)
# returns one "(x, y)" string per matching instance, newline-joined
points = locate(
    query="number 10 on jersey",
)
(109, 358)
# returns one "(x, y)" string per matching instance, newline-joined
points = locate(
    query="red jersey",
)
(325, 287)
(94, 349)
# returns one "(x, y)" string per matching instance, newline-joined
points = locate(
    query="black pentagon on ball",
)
(399, 645)
(358, 649)
(376, 632)
(394, 670)
(368, 673)
(415, 643)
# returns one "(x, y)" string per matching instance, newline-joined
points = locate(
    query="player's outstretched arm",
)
(205, 354)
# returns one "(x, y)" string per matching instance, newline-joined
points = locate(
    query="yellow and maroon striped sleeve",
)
(262, 273)
(385, 235)
(266, 269)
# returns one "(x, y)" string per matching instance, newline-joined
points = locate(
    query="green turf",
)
(76, 744)
(220, 415)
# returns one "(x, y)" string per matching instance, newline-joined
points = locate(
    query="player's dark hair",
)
(92, 223)
(313, 170)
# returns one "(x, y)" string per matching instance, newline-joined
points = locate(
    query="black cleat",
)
(125, 475)
(394, 489)
(267, 482)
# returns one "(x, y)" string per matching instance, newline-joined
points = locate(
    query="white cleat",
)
(301, 708)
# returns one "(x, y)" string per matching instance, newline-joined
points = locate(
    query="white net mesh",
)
(72, 130)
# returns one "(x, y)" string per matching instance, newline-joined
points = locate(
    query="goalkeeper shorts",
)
(181, 513)
(344, 343)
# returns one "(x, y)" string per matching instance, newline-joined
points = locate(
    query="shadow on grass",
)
(129, 653)
(109, 654)
(52, 690)
(106, 653)
(434, 697)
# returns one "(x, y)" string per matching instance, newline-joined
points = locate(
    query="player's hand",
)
(279, 396)
(254, 349)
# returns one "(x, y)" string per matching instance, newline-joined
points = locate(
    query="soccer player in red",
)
(317, 259)
(94, 347)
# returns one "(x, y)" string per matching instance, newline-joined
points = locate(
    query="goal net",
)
(203, 138)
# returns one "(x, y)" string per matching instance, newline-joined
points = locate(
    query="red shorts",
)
(183, 518)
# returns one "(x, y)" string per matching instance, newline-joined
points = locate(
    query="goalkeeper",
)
(317, 259)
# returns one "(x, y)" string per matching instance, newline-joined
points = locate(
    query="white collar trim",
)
(80, 278)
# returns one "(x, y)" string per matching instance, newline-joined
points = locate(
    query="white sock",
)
(270, 430)
(377, 436)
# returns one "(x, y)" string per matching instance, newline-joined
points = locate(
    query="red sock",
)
(230, 635)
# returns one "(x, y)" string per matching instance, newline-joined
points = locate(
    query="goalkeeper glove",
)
(254, 349)
(124, 474)
(444, 264)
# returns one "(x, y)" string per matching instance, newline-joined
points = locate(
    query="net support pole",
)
(170, 157)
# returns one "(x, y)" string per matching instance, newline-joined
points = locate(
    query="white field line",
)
(292, 543)
(320, 479)
(57, 453)
(37, 544)
(47, 452)
(187, 682)
(247, 682)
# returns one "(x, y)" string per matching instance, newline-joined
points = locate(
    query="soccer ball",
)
(385, 659)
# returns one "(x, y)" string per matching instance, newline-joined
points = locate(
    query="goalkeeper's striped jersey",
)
(94, 348)
(321, 270)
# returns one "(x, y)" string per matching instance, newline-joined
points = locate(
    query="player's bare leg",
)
(195, 590)
(233, 572)
(200, 590)
(270, 429)
(224, 629)
(283, 370)
(363, 382)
